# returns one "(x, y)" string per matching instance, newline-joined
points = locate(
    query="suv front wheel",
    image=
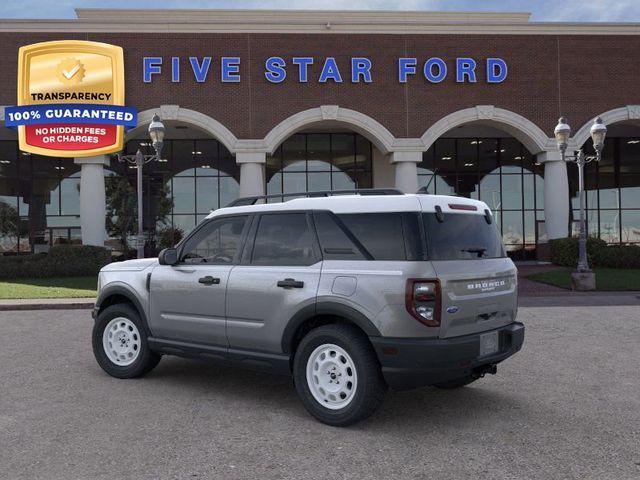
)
(337, 375)
(120, 343)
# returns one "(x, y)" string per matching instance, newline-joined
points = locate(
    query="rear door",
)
(188, 299)
(478, 281)
(278, 276)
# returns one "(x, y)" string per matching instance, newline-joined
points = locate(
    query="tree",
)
(9, 221)
(122, 208)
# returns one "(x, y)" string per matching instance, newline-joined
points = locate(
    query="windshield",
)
(462, 236)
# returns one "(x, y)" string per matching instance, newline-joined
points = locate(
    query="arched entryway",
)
(490, 154)
(327, 148)
(612, 185)
(39, 199)
(197, 174)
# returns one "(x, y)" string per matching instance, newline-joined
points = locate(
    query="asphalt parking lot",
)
(568, 406)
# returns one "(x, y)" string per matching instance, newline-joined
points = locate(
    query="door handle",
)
(290, 283)
(209, 280)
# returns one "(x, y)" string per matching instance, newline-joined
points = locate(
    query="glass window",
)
(218, 242)
(294, 153)
(445, 156)
(183, 154)
(487, 156)
(183, 195)
(610, 226)
(206, 194)
(467, 154)
(334, 241)
(512, 228)
(629, 155)
(70, 196)
(461, 237)
(630, 226)
(512, 192)
(320, 161)
(630, 190)
(283, 239)
(380, 233)
(8, 159)
(318, 152)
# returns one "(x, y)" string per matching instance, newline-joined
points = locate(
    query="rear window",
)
(462, 236)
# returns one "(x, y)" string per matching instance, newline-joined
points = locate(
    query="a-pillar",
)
(93, 209)
(251, 173)
(406, 167)
(556, 194)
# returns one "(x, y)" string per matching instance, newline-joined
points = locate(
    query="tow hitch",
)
(481, 371)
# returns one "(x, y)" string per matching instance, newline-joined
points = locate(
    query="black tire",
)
(146, 359)
(370, 386)
(455, 383)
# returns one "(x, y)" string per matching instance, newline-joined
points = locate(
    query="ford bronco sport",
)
(350, 294)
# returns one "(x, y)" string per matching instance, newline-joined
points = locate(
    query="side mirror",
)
(168, 256)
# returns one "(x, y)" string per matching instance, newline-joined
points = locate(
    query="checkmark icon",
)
(71, 73)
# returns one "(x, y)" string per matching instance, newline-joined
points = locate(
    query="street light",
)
(562, 133)
(156, 133)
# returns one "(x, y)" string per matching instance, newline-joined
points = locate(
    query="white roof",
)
(364, 204)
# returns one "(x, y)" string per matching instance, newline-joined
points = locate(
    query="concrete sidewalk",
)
(46, 304)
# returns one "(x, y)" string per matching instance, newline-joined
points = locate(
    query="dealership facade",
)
(277, 102)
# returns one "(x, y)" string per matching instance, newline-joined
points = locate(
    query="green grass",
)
(69, 287)
(607, 279)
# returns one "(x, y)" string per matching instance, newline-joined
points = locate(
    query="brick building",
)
(287, 101)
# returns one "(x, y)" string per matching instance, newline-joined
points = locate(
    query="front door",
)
(278, 277)
(188, 299)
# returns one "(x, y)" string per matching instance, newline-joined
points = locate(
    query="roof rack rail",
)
(244, 201)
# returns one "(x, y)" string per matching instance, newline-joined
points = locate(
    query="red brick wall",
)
(578, 76)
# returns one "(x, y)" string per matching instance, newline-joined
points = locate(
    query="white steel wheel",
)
(121, 341)
(331, 376)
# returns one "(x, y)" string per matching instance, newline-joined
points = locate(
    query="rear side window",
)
(462, 236)
(381, 234)
(284, 239)
(334, 239)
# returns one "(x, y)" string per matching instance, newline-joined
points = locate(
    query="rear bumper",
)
(411, 363)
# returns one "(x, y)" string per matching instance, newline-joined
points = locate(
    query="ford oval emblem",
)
(452, 309)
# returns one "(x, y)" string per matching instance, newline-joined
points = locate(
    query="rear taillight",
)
(423, 301)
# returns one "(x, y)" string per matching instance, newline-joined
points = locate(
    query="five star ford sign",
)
(70, 99)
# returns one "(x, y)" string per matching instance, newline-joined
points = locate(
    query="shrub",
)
(564, 252)
(618, 256)
(61, 261)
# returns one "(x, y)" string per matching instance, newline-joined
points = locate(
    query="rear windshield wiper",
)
(479, 250)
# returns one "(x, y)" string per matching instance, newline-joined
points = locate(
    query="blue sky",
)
(542, 10)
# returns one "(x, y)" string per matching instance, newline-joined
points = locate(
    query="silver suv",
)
(350, 294)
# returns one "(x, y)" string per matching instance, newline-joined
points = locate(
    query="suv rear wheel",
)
(120, 343)
(337, 375)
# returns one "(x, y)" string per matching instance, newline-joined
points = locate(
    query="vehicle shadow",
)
(422, 407)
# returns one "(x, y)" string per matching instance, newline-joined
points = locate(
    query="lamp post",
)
(156, 133)
(562, 133)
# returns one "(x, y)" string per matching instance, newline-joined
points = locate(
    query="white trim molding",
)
(622, 114)
(200, 120)
(312, 21)
(374, 131)
(531, 136)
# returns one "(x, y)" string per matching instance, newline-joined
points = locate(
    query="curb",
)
(77, 305)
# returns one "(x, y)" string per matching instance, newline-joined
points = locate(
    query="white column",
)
(556, 194)
(251, 173)
(406, 166)
(93, 209)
